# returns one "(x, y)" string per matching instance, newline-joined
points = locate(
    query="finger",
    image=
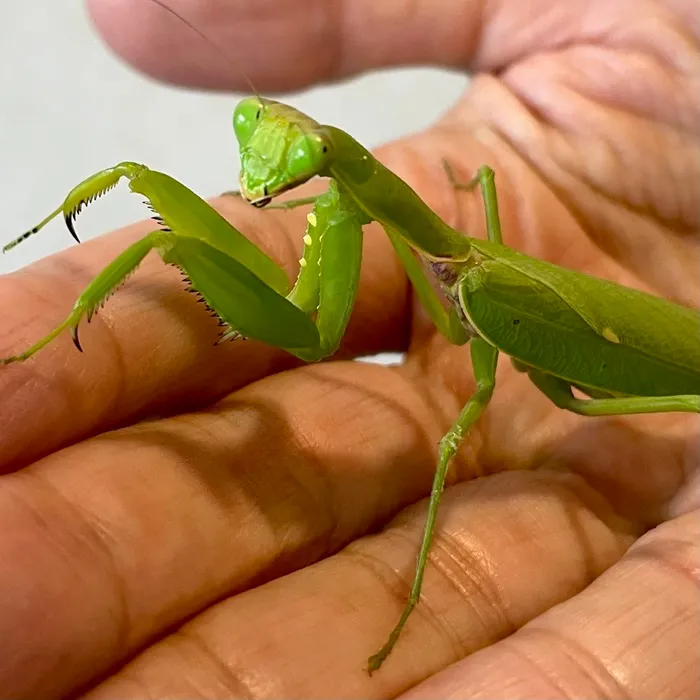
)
(151, 349)
(278, 45)
(310, 633)
(633, 633)
(111, 542)
(285, 46)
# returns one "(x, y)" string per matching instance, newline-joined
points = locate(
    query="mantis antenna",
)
(227, 57)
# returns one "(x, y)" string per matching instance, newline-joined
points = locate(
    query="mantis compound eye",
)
(307, 156)
(246, 117)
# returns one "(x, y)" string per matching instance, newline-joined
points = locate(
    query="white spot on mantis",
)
(311, 218)
(302, 262)
(610, 335)
(307, 239)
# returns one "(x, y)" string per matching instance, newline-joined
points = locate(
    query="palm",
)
(165, 519)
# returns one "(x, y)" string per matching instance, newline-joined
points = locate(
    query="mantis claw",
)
(74, 336)
(69, 219)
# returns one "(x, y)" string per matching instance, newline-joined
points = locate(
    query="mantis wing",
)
(569, 331)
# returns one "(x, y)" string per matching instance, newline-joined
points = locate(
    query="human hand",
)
(135, 550)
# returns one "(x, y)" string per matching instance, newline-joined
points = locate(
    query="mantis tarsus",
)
(628, 351)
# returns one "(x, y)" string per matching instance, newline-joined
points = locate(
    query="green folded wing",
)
(581, 328)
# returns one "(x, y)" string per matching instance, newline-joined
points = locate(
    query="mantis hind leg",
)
(559, 392)
(484, 358)
(484, 177)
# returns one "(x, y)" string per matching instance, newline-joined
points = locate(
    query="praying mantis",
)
(627, 351)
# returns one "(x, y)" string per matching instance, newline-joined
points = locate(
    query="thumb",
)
(281, 45)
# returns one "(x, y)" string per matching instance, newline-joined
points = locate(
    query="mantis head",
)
(280, 148)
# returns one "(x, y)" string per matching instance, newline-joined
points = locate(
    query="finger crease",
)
(232, 681)
(397, 586)
(594, 670)
(327, 505)
(666, 558)
(92, 533)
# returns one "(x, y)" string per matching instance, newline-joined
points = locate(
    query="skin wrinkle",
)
(516, 203)
(664, 558)
(555, 36)
(610, 247)
(679, 45)
(464, 462)
(547, 679)
(93, 542)
(601, 477)
(585, 661)
(641, 640)
(634, 39)
(322, 501)
(332, 500)
(509, 193)
(317, 506)
(233, 682)
(573, 73)
(398, 585)
(433, 385)
(636, 35)
(449, 549)
(558, 192)
(96, 535)
(645, 207)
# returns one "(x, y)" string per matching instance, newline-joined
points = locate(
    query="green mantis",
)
(627, 351)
